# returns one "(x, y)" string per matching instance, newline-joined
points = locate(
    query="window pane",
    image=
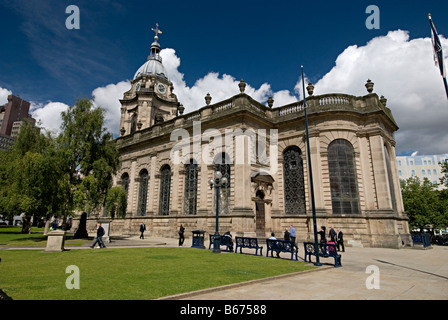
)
(143, 193)
(294, 188)
(191, 185)
(165, 184)
(343, 183)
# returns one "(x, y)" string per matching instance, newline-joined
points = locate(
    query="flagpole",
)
(446, 87)
(313, 207)
(438, 52)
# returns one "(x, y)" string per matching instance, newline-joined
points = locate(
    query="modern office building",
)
(421, 166)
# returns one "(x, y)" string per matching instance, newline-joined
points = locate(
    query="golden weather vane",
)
(157, 31)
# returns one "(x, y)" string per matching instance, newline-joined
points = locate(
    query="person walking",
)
(142, 229)
(181, 235)
(99, 237)
(340, 239)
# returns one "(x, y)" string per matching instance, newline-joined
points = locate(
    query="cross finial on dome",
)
(157, 31)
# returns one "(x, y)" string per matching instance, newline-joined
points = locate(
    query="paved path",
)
(404, 274)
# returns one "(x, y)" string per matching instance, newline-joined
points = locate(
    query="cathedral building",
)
(168, 158)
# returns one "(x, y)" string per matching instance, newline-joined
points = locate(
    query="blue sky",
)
(264, 42)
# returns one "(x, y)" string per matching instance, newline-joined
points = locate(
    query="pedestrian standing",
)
(340, 239)
(142, 229)
(292, 234)
(99, 237)
(181, 235)
(321, 232)
(332, 234)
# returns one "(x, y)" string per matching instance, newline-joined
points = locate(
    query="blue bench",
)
(326, 250)
(249, 243)
(281, 246)
(224, 241)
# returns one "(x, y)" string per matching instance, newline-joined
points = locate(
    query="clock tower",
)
(151, 99)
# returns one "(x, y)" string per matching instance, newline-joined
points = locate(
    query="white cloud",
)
(219, 87)
(48, 115)
(403, 71)
(4, 93)
(108, 98)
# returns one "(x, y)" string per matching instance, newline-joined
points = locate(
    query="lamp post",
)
(217, 183)
(313, 207)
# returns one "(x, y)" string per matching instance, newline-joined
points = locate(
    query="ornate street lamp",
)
(217, 183)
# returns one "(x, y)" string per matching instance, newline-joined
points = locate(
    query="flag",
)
(437, 46)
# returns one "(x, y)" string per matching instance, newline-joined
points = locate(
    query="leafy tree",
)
(29, 175)
(89, 157)
(444, 178)
(116, 202)
(423, 203)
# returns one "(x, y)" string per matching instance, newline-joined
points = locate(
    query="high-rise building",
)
(13, 114)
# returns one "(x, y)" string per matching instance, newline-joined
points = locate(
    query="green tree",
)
(444, 178)
(29, 175)
(423, 203)
(116, 202)
(89, 157)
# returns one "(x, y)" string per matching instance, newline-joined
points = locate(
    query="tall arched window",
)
(143, 193)
(343, 182)
(165, 185)
(293, 181)
(125, 181)
(222, 164)
(191, 187)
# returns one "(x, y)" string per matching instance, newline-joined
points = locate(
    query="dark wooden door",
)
(259, 218)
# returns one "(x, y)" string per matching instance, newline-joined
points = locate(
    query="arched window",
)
(143, 193)
(293, 181)
(125, 181)
(134, 123)
(191, 187)
(343, 182)
(165, 185)
(222, 165)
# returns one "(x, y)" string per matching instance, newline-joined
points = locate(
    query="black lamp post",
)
(217, 183)
(313, 207)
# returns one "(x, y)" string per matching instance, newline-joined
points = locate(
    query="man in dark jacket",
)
(99, 237)
(142, 229)
(340, 237)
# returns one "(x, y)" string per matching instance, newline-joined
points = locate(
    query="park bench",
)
(224, 241)
(326, 250)
(249, 243)
(281, 246)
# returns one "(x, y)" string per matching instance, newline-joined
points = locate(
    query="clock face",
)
(161, 88)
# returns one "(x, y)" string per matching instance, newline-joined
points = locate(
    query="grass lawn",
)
(12, 237)
(130, 274)
(124, 273)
